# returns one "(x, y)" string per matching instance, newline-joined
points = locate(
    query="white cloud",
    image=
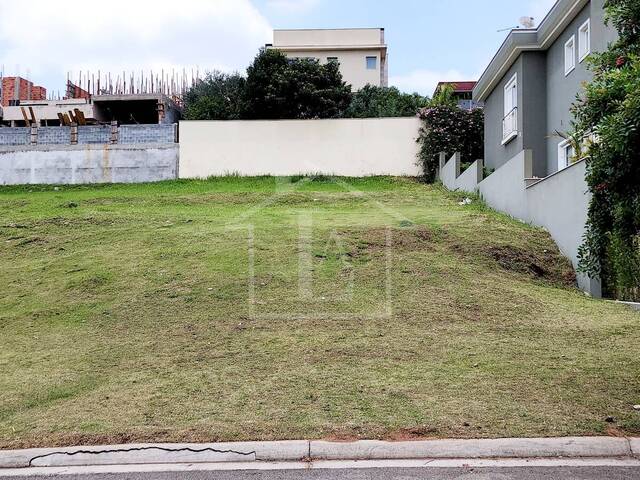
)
(128, 35)
(425, 81)
(292, 6)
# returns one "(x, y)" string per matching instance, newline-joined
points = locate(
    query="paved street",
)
(520, 473)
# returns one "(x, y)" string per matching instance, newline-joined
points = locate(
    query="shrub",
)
(283, 88)
(219, 96)
(449, 129)
(375, 102)
(610, 108)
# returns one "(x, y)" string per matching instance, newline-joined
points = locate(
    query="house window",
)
(332, 59)
(372, 63)
(584, 40)
(566, 154)
(510, 119)
(570, 55)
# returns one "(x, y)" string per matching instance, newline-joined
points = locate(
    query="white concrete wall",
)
(560, 203)
(345, 147)
(80, 164)
(471, 176)
(451, 177)
(505, 188)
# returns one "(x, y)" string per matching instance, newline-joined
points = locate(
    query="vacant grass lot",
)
(237, 309)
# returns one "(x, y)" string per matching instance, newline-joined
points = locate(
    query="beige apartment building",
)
(361, 52)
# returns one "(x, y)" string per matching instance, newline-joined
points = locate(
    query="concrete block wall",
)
(15, 136)
(133, 134)
(54, 135)
(93, 134)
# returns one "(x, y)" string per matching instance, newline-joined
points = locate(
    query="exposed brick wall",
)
(18, 88)
(74, 91)
(38, 93)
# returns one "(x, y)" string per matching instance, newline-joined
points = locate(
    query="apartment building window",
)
(372, 63)
(510, 119)
(570, 55)
(584, 40)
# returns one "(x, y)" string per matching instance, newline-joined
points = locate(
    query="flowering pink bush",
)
(449, 129)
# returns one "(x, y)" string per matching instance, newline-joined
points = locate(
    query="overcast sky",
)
(429, 40)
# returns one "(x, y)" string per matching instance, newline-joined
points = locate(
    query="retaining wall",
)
(453, 179)
(559, 203)
(345, 147)
(79, 164)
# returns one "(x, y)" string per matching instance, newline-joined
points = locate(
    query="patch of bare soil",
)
(375, 240)
(413, 433)
(548, 265)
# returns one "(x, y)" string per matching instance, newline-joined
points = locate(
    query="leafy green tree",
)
(374, 102)
(282, 88)
(220, 96)
(610, 108)
(444, 97)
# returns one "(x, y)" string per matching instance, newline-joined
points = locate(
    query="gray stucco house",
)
(533, 79)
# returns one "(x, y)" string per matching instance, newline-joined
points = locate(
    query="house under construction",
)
(101, 99)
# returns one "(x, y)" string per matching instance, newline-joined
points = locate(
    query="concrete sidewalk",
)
(312, 450)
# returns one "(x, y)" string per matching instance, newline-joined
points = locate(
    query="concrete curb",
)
(490, 448)
(634, 444)
(298, 450)
(147, 453)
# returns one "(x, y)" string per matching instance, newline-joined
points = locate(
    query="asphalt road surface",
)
(519, 473)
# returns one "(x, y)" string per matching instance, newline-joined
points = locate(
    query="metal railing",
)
(510, 124)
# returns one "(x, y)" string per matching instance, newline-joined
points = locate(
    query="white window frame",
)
(564, 160)
(570, 55)
(584, 40)
(510, 110)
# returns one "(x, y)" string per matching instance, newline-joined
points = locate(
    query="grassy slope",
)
(124, 316)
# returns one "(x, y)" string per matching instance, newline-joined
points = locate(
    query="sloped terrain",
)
(238, 309)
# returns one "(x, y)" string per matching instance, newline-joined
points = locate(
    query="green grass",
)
(125, 315)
